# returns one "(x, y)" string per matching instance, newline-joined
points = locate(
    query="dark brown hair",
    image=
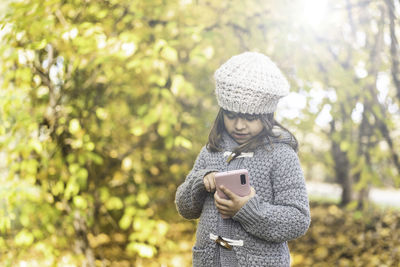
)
(268, 121)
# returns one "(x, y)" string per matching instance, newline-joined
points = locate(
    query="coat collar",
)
(283, 136)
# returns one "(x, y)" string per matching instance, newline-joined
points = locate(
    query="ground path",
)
(385, 197)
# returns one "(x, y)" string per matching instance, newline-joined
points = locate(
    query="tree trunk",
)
(82, 245)
(394, 45)
(342, 170)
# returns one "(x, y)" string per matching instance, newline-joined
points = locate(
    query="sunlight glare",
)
(314, 11)
(290, 107)
(324, 117)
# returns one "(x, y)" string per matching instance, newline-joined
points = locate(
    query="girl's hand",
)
(209, 182)
(229, 207)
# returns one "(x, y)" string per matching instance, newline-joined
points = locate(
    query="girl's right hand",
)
(209, 182)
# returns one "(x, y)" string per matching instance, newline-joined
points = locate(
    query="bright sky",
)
(313, 11)
(292, 106)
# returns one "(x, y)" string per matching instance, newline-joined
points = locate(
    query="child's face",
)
(242, 127)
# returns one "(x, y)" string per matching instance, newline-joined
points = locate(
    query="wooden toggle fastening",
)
(223, 243)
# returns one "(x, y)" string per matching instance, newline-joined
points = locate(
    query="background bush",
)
(105, 104)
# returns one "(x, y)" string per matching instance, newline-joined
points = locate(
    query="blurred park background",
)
(106, 103)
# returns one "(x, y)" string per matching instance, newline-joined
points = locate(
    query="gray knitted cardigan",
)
(277, 213)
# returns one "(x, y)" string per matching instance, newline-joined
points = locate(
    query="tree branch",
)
(394, 52)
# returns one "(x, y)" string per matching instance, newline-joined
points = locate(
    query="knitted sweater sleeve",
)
(288, 217)
(190, 195)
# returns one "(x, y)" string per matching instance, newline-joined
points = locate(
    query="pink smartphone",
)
(237, 181)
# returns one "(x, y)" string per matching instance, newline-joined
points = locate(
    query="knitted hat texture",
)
(250, 83)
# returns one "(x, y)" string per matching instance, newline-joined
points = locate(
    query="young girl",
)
(246, 136)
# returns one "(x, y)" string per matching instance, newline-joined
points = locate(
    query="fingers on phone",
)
(221, 201)
(227, 192)
(220, 205)
(212, 182)
(209, 183)
(252, 192)
(212, 185)
(206, 185)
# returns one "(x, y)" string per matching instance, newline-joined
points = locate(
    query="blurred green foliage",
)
(105, 104)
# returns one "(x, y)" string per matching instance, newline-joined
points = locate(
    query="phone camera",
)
(243, 179)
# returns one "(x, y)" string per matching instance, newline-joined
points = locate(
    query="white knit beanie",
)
(250, 83)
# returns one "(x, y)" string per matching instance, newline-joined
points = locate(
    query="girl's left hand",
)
(229, 207)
